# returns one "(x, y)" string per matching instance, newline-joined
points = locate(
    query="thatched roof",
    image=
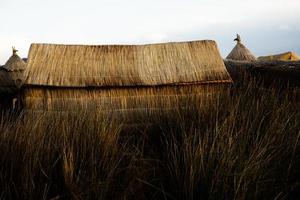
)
(240, 52)
(288, 56)
(283, 72)
(125, 65)
(11, 74)
(15, 63)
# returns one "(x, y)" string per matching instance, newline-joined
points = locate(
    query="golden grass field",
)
(244, 145)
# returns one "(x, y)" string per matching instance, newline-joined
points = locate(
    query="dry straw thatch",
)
(119, 76)
(240, 52)
(120, 99)
(125, 65)
(288, 56)
(15, 63)
(11, 75)
(283, 73)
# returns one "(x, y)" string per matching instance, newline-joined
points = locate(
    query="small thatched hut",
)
(121, 77)
(11, 79)
(240, 52)
(288, 56)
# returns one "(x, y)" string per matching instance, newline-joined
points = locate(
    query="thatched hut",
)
(11, 79)
(288, 56)
(121, 77)
(283, 73)
(240, 52)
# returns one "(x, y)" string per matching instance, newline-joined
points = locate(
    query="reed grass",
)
(244, 145)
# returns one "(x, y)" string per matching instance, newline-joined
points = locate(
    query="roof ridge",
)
(142, 44)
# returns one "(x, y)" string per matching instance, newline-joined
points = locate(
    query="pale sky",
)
(266, 26)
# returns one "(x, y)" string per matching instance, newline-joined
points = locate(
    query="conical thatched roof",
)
(240, 52)
(125, 65)
(288, 56)
(14, 63)
(11, 74)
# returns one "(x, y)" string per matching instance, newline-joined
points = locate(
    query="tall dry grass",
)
(243, 146)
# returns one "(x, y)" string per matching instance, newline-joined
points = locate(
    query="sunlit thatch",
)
(159, 64)
(120, 76)
(288, 56)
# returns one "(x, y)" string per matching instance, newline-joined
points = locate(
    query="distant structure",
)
(288, 56)
(125, 78)
(240, 52)
(11, 79)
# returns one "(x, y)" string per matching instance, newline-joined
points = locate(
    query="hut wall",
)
(118, 99)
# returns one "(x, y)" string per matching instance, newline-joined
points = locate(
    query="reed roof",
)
(14, 63)
(240, 52)
(125, 65)
(11, 74)
(288, 56)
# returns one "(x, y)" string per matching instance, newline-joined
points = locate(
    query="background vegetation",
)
(245, 145)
